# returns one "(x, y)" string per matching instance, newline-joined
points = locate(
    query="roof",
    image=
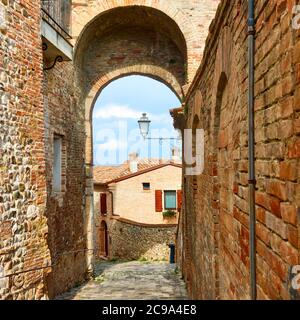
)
(109, 174)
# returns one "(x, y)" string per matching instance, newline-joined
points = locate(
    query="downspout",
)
(251, 149)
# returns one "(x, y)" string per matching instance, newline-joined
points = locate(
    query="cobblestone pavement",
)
(131, 281)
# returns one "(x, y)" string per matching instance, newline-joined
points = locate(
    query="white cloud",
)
(125, 112)
(112, 145)
(116, 111)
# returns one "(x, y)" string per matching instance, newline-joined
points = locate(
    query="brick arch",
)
(83, 15)
(224, 55)
(198, 103)
(150, 71)
(91, 13)
(222, 72)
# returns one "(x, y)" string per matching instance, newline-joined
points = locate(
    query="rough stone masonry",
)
(46, 238)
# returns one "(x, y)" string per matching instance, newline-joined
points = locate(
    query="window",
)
(103, 203)
(146, 186)
(57, 163)
(170, 200)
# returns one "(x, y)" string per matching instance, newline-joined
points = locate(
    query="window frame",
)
(145, 188)
(165, 202)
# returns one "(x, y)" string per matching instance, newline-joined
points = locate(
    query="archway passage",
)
(129, 41)
(132, 40)
(116, 113)
(103, 241)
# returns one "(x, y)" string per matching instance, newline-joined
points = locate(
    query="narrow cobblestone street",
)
(131, 281)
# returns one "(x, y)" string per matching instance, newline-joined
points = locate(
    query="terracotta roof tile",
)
(104, 174)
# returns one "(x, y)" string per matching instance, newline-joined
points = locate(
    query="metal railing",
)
(58, 14)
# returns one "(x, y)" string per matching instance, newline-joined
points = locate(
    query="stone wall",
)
(214, 227)
(24, 254)
(67, 238)
(43, 235)
(133, 241)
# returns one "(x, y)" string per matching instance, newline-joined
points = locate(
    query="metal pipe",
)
(251, 149)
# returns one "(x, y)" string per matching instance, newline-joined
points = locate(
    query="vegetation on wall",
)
(169, 214)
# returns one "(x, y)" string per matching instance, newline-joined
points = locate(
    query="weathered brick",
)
(293, 237)
(297, 99)
(294, 149)
(23, 189)
(289, 213)
(289, 253)
(287, 107)
(288, 170)
(277, 188)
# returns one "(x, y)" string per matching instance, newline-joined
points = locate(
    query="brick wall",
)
(24, 254)
(66, 213)
(192, 17)
(215, 225)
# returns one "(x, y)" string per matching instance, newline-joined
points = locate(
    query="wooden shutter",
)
(103, 203)
(158, 201)
(179, 200)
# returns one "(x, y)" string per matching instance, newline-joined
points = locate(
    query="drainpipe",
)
(251, 149)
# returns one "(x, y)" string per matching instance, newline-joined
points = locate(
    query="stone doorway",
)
(103, 240)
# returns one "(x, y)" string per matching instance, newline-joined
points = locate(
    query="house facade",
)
(136, 209)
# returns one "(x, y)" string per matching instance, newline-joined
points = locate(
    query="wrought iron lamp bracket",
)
(57, 59)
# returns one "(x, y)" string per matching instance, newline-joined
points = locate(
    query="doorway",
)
(103, 240)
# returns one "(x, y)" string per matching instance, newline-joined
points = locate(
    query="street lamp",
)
(144, 124)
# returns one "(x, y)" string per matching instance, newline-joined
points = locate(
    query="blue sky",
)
(115, 116)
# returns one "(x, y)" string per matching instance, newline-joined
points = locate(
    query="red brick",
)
(289, 253)
(277, 188)
(297, 126)
(274, 204)
(262, 199)
(288, 170)
(263, 233)
(293, 237)
(277, 155)
(289, 213)
(278, 266)
(287, 107)
(294, 149)
(297, 99)
(261, 215)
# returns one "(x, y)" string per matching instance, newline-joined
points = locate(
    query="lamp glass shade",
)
(144, 124)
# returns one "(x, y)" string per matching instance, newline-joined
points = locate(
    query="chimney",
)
(133, 162)
(176, 157)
